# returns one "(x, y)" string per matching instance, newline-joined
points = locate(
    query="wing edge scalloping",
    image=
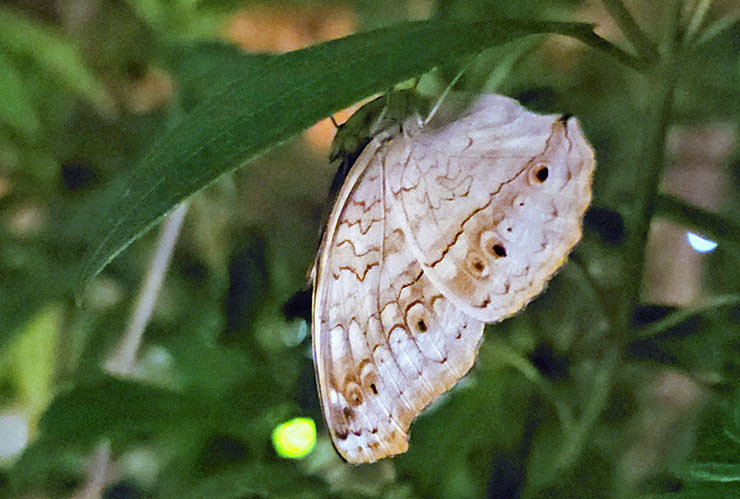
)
(584, 153)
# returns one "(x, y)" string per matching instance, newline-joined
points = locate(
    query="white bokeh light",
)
(699, 243)
(14, 434)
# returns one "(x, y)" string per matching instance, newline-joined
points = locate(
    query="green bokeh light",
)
(294, 439)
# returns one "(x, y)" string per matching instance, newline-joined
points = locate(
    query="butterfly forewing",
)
(492, 200)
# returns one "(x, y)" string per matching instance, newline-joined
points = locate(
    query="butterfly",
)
(437, 229)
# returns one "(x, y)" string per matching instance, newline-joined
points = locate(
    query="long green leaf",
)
(275, 98)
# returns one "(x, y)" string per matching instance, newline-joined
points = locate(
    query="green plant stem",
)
(715, 29)
(698, 14)
(662, 75)
(632, 31)
(681, 315)
(662, 80)
(595, 41)
(647, 181)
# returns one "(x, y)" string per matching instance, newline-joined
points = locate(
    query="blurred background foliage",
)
(588, 392)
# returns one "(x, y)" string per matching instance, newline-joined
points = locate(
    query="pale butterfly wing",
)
(386, 342)
(493, 201)
(403, 283)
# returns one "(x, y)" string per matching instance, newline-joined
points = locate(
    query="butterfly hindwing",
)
(386, 342)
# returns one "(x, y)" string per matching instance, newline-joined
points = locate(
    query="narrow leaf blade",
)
(274, 99)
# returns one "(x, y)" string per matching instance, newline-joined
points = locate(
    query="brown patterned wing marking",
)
(386, 342)
(492, 201)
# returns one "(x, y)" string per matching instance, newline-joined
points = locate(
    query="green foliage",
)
(227, 129)
(588, 392)
(54, 55)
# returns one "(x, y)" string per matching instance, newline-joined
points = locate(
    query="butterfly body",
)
(437, 229)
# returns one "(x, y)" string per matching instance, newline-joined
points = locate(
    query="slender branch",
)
(717, 28)
(647, 179)
(98, 473)
(632, 31)
(698, 15)
(677, 317)
(711, 225)
(597, 42)
(122, 360)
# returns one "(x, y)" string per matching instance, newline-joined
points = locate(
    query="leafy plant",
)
(589, 391)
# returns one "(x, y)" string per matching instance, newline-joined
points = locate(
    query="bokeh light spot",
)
(294, 439)
(699, 243)
(14, 434)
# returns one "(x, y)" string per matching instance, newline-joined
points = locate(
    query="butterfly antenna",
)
(446, 91)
